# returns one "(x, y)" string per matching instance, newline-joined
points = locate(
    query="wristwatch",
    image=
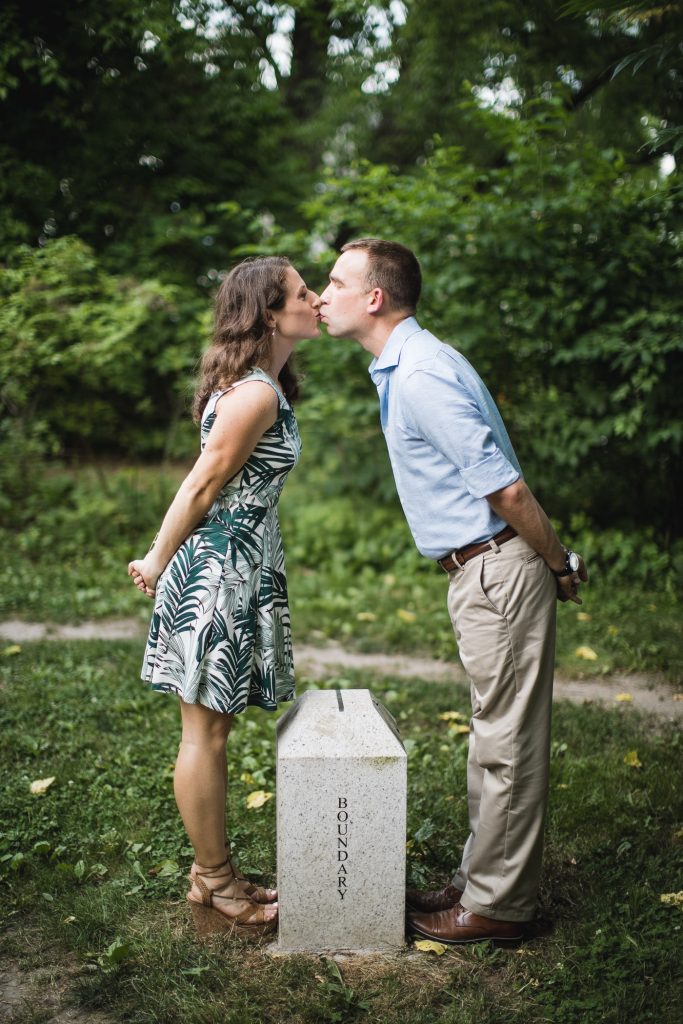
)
(571, 564)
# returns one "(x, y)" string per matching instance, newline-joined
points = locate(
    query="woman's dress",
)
(220, 633)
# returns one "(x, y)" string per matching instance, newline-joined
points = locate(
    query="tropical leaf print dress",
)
(220, 633)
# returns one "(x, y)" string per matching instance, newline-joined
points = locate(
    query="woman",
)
(220, 635)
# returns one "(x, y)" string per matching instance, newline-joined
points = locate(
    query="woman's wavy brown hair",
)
(243, 329)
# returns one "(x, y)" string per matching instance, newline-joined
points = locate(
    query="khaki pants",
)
(502, 606)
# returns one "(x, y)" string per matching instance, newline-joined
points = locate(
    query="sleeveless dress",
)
(220, 633)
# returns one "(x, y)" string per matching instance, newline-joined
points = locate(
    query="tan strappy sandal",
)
(255, 892)
(250, 923)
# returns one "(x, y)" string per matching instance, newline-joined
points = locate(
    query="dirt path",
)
(647, 693)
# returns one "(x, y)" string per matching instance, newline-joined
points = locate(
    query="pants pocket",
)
(492, 588)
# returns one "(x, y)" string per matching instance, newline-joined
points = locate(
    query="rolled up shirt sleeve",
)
(444, 412)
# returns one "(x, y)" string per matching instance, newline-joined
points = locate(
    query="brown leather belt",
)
(458, 558)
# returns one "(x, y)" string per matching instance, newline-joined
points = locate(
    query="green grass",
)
(93, 871)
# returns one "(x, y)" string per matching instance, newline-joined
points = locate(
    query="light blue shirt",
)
(447, 442)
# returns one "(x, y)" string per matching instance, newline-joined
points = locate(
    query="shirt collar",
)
(391, 353)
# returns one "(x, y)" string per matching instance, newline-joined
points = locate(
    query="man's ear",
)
(376, 301)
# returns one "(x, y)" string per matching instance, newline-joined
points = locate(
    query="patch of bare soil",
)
(19, 631)
(41, 994)
(646, 693)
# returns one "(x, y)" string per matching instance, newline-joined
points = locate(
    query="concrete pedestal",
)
(341, 825)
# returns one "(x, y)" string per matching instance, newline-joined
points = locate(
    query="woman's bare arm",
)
(242, 417)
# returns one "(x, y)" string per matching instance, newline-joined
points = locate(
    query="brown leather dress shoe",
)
(430, 902)
(458, 925)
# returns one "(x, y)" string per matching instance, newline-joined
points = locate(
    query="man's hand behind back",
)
(568, 586)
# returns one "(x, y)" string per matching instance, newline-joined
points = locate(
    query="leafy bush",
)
(88, 359)
(558, 275)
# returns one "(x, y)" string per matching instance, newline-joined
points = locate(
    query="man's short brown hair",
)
(393, 268)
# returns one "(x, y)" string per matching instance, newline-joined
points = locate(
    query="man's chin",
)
(333, 332)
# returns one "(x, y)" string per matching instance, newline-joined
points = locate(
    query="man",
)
(468, 508)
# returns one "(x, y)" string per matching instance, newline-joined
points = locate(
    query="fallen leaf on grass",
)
(12, 649)
(583, 617)
(672, 899)
(41, 786)
(406, 616)
(624, 698)
(678, 834)
(632, 760)
(427, 946)
(452, 716)
(247, 777)
(257, 799)
(587, 653)
(165, 869)
(114, 954)
(613, 631)
(459, 730)
(366, 617)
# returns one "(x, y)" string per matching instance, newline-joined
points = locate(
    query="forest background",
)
(525, 150)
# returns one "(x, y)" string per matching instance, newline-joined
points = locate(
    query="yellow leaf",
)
(672, 899)
(389, 580)
(257, 799)
(587, 653)
(652, 607)
(406, 616)
(459, 730)
(452, 716)
(12, 649)
(624, 698)
(678, 696)
(562, 785)
(366, 617)
(632, 760)
(247, 777)
(613, 631)
(427, 946)
(678, 834)
(583, 617)
(41, 785)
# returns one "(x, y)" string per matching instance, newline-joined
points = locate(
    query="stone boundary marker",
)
(341, 825)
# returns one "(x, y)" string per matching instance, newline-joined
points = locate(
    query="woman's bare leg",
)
(200, 786)
(200, 780)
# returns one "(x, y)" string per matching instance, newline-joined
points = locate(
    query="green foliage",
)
(87, 357)
(660, 25)
(558, 276)
(159, 152)
(93, 870)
